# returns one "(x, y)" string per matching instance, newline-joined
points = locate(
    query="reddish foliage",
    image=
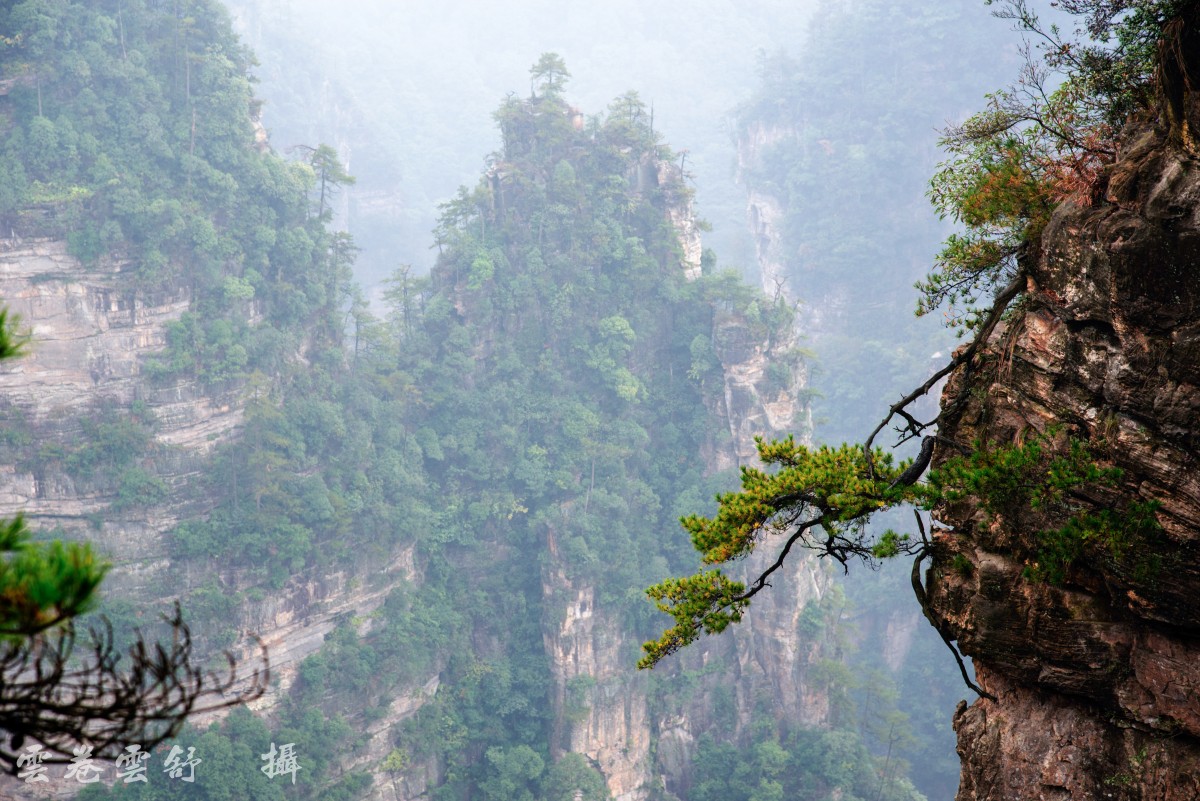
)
(1075, 174)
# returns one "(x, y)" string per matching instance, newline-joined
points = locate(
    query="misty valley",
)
(525, 402)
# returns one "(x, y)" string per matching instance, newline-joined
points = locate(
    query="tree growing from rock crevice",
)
(1010, 166)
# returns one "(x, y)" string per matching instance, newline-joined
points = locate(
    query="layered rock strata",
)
(1096, 679)
(89, 337)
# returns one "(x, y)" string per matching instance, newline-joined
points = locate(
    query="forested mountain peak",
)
(425, 513)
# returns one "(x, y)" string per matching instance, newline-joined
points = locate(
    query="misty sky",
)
(406, 90)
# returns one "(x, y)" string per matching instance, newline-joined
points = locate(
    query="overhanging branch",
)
(913, 427)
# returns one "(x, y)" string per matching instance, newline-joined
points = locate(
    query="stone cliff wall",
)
(601, 704)
(89, 337)
(764, 211)
(1096, 680)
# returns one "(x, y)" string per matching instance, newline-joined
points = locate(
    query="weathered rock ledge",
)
(1096, 680)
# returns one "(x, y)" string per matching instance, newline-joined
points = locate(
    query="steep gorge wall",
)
(764, 211)
(1096, 680)
(89, 338)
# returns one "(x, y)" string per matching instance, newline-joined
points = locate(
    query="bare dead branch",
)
(52, 696)
(923, 600)
(964, 357)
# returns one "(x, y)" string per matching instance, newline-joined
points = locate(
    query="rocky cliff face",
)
(766, 216)
(607, 711)
(89, 339)
(601, 704)
(1096, 680)
(764, 211)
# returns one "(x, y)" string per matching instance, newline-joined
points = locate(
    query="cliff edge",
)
(1095, 677)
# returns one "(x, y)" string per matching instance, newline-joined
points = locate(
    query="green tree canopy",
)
(549, 75)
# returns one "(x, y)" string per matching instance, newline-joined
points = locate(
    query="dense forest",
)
(440, 501)
(531, 417)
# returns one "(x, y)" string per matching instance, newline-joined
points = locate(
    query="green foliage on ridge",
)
(542, 392)
(129, 132)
